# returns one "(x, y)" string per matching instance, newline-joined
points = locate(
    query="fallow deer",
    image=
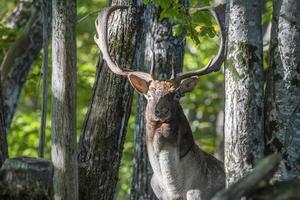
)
(181, 169)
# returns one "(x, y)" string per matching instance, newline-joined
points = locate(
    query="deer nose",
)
(161, 112)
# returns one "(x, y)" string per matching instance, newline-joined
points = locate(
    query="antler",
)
(102, 42)
(216, 62)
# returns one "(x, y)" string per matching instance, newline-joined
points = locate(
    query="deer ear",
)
(138, 83)
(188, 84)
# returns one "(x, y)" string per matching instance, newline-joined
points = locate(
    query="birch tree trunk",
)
(64, 145)
(282, 123)
(22, 53)
(156, 36)
(244, 94)
(104, 129)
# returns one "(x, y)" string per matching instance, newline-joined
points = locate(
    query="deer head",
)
(162, 95)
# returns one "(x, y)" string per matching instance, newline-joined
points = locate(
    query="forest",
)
(150, 99)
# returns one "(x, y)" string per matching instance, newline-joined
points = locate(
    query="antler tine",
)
(102, 42)
(216, 62)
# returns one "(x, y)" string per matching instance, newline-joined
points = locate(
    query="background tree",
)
(158, 46)
(64, 144)
(244, 94)
(282, 113)
(104, 129)
(3, 140)
(21, 54)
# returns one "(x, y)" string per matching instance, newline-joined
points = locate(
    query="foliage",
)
(201, 106)
(195, 24)
(7, 35)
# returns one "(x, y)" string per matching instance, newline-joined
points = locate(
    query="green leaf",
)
(165, 4)
(211, 32)
(194, 36)
(202, 18)
(157, 2)
(177, 30)
(169, 13)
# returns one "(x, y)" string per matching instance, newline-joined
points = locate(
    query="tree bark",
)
(46, 10)
(26, 178)
(156, 36)
(20, 56)
(64, 145)
(104, 129)
(282, 122)
(244, 94)
(3, 139)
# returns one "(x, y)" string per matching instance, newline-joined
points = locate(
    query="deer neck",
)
(167, 144)
(174, 133)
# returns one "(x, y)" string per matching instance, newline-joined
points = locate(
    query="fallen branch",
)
(285, 190)
(263, 171)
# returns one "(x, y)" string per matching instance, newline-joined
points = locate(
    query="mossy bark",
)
(154, 36)
(282, 116)
(244, 79)
(26, 178)
(104, 129)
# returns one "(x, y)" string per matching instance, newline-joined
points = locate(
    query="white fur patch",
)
(170, 169)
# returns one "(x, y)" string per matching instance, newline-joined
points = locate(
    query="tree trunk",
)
(104, 129)
(156, 36)
(3, 140)
(282, 123)
(20, 56)
(244, 94)
(64, 145)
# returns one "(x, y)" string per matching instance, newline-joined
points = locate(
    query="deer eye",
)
(177, 96)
